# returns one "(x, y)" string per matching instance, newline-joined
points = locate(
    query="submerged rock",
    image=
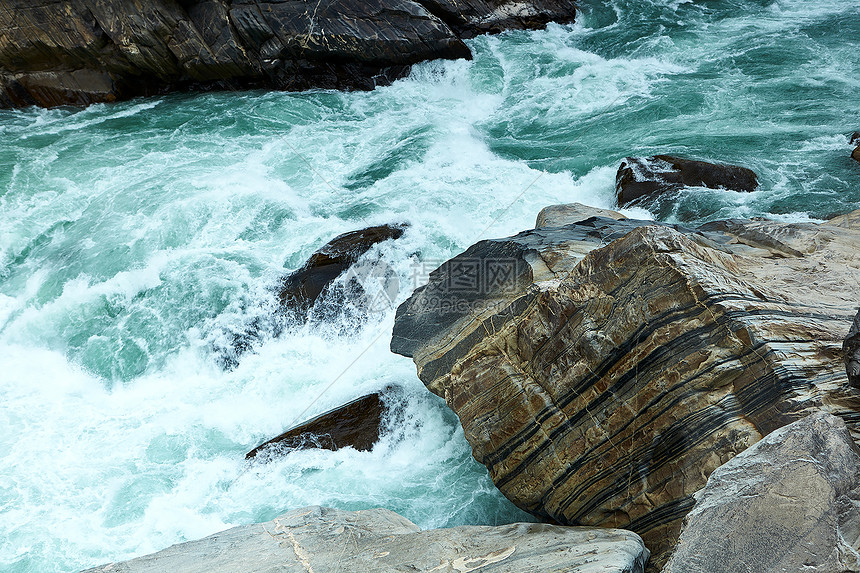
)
(301, 289)
(626, 360)
(356, 424)
(59, 52)
(642, 177)
(380, 541)
(791, 502)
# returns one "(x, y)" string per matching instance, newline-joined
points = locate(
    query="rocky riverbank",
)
(602, 368)
(80, 52)
(620, 378)
(320, 539)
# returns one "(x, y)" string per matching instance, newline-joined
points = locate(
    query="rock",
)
(356, 423)
(58, 52)
(380, 541)
(855, 155)
(791, 502)
(642, 177)
(851, 352)
(301, 289)
(626, 360)
(558, 215)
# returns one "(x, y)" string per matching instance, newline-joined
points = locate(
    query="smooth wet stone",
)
(623, 361)
(355, 424)
(324, 540)
(791, 502)
(641, 178)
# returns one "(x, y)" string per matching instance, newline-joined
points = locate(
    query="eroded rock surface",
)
(791, 502)
(629, 359)
(356, 424)
(640, 178)
(320, 539)
(57, 52)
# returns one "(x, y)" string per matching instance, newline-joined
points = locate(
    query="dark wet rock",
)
(324, 540)
(639, 178)
(855, 155)
(791, 502)
(626, 360)
(356, 424)
(58, 52)
(851, 352)
(301, 289)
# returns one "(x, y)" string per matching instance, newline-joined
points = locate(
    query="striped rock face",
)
(621, 362)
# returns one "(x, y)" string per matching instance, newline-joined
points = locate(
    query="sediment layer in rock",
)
(58, 52)
(377, 540)
(791, 502)
(625, 360)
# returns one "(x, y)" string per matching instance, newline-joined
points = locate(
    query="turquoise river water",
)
(136, 238)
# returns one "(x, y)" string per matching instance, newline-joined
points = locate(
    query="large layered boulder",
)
(615, 363)
(57, 52)
(791, 502)
(380, 541)
(642, 178)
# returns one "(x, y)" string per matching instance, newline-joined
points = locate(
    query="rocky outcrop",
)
(791, 502)
(623, 361)
(57, 52)
(640, 178)
(301, 289)
(320, 539)
(356, 424)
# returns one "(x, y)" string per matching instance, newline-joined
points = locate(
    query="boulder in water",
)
(623, 361)
(791, 502)
(639, 178)
(324, 540)
(356, 424)
(301, 289)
